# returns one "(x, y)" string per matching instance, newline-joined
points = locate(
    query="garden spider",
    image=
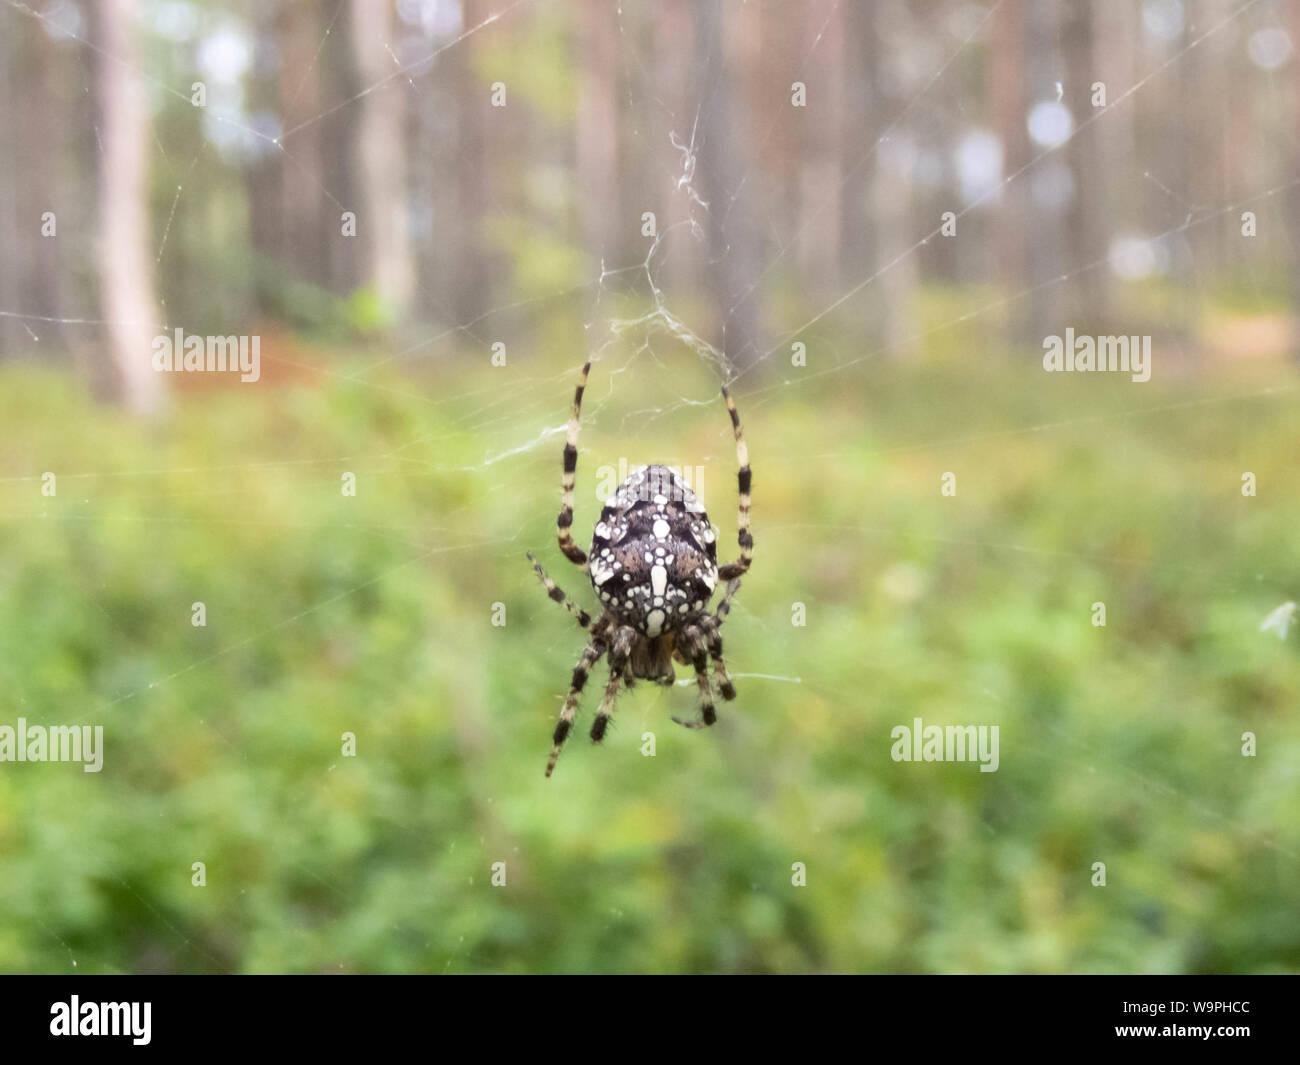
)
(654, 564)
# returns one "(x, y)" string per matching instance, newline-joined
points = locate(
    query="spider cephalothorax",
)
(654, 565)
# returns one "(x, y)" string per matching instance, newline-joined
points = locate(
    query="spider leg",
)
(697, 649)
(590, 656)
(564, 523)
(724, 604)
(743, 478)
(557, 594)
(619, 651)
(725, 687)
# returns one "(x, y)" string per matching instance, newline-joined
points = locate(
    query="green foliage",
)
(367, 312)
(328, 614)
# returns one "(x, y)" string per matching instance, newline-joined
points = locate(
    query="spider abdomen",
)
(653, 556)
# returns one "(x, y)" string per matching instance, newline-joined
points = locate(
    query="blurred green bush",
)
(328, 614)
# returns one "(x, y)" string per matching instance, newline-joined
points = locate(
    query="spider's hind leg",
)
(725, 687)
(724, 604)
(696, 650)
(619, 670)
(590, 656)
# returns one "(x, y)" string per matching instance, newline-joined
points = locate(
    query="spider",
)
(654, 565)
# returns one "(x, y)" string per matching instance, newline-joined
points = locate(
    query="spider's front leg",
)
(564, 523)
(744, 481)
(620, 649)
(694, 647)
(556, 594)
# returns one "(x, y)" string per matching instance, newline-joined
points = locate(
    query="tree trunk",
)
(1293, 198)
(125, 260)
(382, 147)
(821, 167)
(463, 258)
(1007, 88)
(893, 225)
(861, 127)
(1045, 214)
(596, 128)
(733, 265)
(1088, 220)
(301, 184)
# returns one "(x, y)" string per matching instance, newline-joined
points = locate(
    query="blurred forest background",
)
(431, 212)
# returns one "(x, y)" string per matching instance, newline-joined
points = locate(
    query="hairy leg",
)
(743, 478)
(695, 649)
(619, 649)
(557, 594)
(724, 604)
(564, 523)
(725, 687)
(590, 656)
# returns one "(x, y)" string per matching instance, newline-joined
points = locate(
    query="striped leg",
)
(557, 594)
(564, 523)
(590, 656)
(746, 541)
(619, 650)
(698, 651)
(725, 687)
(724, 604)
